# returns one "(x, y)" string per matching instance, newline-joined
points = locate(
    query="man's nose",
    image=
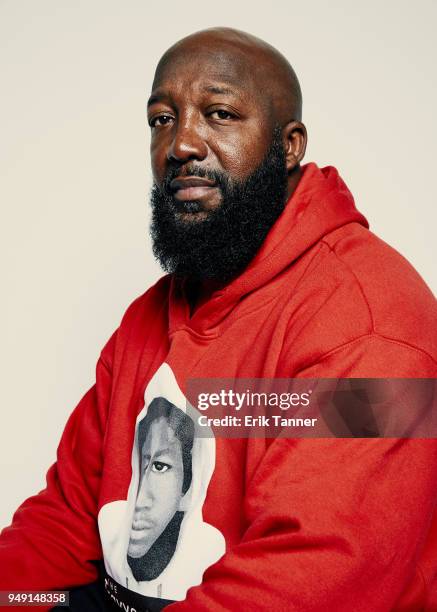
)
(188, 143)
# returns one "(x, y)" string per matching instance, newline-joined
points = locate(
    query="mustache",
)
(220, 178)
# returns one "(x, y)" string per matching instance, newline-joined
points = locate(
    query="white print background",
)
(75, 177)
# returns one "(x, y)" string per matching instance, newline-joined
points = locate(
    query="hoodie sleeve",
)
(332, 524)
(53, 536)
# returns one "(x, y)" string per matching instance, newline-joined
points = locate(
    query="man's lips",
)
(185, 182)
(191, 187)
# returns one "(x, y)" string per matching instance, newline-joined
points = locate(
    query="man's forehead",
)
(221, 66)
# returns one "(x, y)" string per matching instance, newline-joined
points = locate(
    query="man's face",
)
(219, 166)
(160, 488)
(206, 112)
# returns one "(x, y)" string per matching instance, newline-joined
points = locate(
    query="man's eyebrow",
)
(216, 89)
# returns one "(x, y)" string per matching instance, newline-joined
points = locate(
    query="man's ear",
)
(295, 142)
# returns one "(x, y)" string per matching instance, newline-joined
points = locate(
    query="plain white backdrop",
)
(75, 177)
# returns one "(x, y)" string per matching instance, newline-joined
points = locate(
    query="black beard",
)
(222, 245)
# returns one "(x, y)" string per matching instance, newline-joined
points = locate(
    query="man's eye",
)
(160, 467)
(222, 114)
(160, 121)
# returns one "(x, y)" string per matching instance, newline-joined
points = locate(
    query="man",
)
(273, 273)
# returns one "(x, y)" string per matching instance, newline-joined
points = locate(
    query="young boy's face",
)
(160, 488)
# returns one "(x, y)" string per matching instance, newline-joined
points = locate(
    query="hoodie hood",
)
(320, 204)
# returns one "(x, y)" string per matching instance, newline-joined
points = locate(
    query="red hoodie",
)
(290, 524)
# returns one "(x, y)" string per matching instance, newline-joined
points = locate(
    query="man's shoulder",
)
(395, 300)
(385, 277)
(356, 291)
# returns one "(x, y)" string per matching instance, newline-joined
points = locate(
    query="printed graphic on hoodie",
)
(156, 543)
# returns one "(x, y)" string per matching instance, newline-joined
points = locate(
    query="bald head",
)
(247, 57)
